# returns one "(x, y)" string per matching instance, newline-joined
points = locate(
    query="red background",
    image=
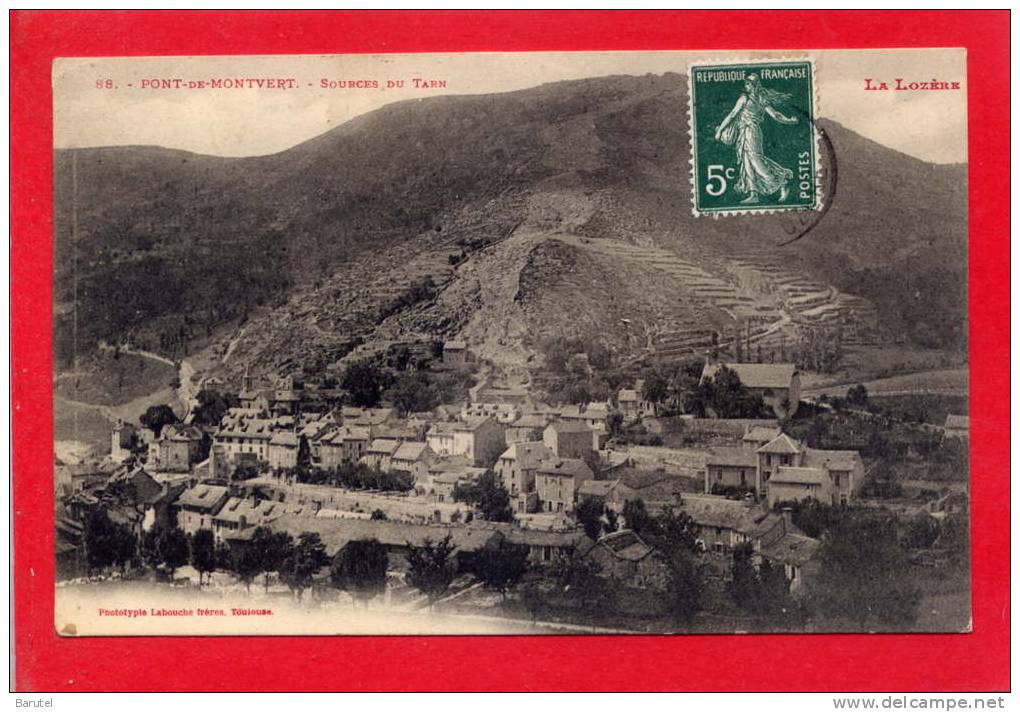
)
(46, 662)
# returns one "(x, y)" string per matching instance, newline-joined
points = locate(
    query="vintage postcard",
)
(533, 343)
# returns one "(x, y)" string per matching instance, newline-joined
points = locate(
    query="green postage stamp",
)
(752, 129)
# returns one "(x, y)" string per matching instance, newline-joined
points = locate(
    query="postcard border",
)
(978, 661)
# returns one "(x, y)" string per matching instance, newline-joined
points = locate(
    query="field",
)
(111, 379)
(75, 422)
(951, 381)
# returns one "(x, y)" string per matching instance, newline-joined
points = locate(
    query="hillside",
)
(502, 218)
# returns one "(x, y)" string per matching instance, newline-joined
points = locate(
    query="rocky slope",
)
(501, 218)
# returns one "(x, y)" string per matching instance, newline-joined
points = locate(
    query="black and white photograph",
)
(451, 344)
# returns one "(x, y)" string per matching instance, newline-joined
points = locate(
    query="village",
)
(639, 511)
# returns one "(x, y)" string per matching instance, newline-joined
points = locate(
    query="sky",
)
(102, 101)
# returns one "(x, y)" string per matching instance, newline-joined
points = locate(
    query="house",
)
(479, 438)
(957, 426)
(632, 405)
(830, 476)
(568, 439)
(545, 547)
(505, 413)
(122, 440)
(845, 471)
(783, 545)
(612, 494)
(375, 419)
(594, 415)
(527, 428)
(240, 515)
(624, 557)
(380, 453)
(133, 485)
(758, 436)
(731, 469)
(285, 402)
(794, 484)
(778, 384)
(283, 450)
(412, 459)
(176, 449)
(781, 451)
(516, 470)
(344, 446)
(315, 431)
(455, 353)
(397, 537)
(445, 472)
(197, 506)
(245, 435)
(557, 481)
(723, 524)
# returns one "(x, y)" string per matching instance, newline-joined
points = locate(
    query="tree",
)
(245, 561)
(744, 583)
(578, 578)
(364, 381)
(304, 454)
(106, 543)
(412, 393)
(774, 590)
(535, 599)
(636, 516)
(172, 549)
(501, 568)
(674, 534)
(614, 422)
(857, 396)
(655, 388)
(612, 522)
(156, 417)
(360, 569)
(378, 515)
(684, 584)
(203, 553)
(863, 574)
(489, 495)
(303, 562)
(212, 406)
(589, 516)
(922, 531)
(431, 567)
(729, 398)
(273, 548)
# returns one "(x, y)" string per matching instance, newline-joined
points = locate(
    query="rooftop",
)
(383, 446)
(625, 544)
(839, 460)
(565, 467)
(201, 496)
(794, 549)
(732, 457)
(411, 451)
(800, 476)
(336, 533)
(713, 511)
(782, 444)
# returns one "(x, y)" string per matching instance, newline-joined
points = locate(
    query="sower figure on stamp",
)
(759, 174)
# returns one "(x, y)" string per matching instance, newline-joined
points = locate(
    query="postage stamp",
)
(753, 139)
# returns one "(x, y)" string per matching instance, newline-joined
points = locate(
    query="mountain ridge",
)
(425, 187)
